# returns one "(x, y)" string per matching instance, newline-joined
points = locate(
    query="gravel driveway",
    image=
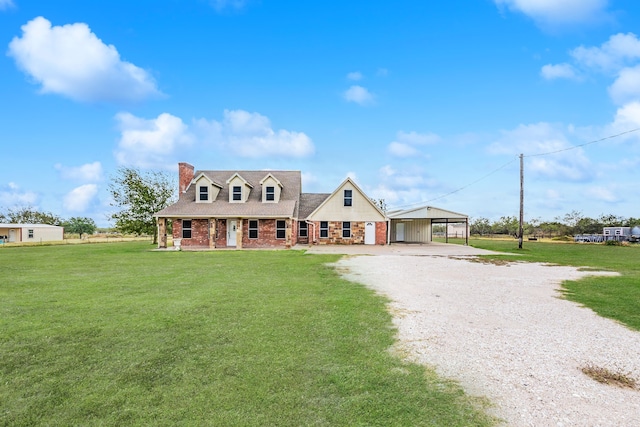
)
(503, 332)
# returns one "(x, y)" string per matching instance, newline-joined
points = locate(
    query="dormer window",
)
(237, 193)
(271, 194)
(203, 190)
(271, 189)
(206, 189)
(348, 197)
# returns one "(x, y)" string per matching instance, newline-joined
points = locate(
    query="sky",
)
(420, 102)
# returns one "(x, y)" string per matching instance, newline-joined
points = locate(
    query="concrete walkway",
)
(424, 249)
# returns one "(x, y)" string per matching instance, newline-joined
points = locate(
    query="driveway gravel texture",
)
(504, 332)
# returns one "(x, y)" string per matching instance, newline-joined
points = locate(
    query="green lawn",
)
(117, 334)
(614, 297)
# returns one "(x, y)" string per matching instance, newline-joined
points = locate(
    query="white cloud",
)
(88, 172)
(72, 61)
(359, 95)
(251, 135)
(6, 4)
(604, 194)
(619, 50)
(150, 143)
(626, 87)
(556, 12)
(400, 149)
(540, 138)
(407, 143)
(559, 71)
(11, 195)
(79, 199)
(355, 76)
(416, 138)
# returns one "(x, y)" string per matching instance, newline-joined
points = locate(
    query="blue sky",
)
(422, 102)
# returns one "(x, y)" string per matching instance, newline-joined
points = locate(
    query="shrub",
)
(612, 243)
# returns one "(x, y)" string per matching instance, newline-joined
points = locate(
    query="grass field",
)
(614, 297)
(117, 334)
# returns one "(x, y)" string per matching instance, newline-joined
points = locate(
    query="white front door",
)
(231, 232)
(400, 232)
(12, 235)
(370, 233)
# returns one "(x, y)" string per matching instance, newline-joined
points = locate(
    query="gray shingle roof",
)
(309, 202)
(287, 207)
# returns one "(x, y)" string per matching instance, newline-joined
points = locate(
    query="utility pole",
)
(521, 230)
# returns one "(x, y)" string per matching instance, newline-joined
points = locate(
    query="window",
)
(271, 194)
(204, 193)
(281, 229)
(237, 192)
(324, 229)
(186, 228)
(348, 198)
(30, 233)
(302, 230)
(253, 228)
(346, 229)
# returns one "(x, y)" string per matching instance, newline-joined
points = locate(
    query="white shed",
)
(18, 233)
(415, 225)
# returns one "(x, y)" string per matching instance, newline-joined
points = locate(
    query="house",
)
(266, 209)
(18, 233)
(415, 225)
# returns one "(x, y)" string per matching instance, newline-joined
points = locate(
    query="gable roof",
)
(309, 202)
(203, 175)
(270, 175)
(337, 190)
(425, 212)
(287, 207)
(241, 178)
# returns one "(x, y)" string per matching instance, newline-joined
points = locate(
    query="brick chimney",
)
(185, 176)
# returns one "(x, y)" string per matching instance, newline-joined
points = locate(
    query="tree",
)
(29, 215)
(480, 226)
(80, 226)
(380, 203)
(506, 225)
(140, 196)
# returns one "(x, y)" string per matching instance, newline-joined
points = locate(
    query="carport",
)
(415, 225)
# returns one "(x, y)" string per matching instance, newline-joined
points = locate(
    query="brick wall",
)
(199, 232)
(381, 233)
(185, 176)
(266, 235)
(357, 233)
(221, 233)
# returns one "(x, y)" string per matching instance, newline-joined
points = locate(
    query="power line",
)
(461, 188)
(573, 147)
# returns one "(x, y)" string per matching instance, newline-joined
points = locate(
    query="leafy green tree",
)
(612, 220)
(29, 215)
(140, 196)
(80, 226)
(480, 226)
(506, 225)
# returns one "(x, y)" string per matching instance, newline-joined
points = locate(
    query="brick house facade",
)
(266, 209)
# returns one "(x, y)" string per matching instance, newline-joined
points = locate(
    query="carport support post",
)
(466, 234)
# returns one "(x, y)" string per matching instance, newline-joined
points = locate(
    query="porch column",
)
(239, 234)
(162, 233)
(212, 233)
(287, 233)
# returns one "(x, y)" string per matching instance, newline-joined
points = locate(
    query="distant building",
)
(20, 233)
